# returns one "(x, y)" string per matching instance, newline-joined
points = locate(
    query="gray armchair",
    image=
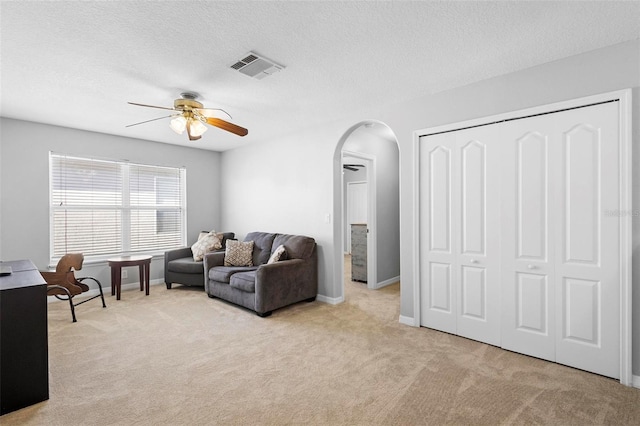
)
(180, 268)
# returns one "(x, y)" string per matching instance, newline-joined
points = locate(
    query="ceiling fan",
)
(191, 116)
(352, 167)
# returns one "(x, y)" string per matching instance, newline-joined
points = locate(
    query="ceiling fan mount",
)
(190, 115)
(187, 101)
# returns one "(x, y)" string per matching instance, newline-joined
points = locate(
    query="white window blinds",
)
(101, 207)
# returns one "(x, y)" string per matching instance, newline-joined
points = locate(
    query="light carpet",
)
(177, 357)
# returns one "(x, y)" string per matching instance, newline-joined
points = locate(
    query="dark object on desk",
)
(24, 365)
(64, 285)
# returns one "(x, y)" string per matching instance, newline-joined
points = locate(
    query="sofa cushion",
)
(239, 253)
(185, 265)
(297, 246)
(223, 273)
(263, 243)
(206, 243)
(245, 281)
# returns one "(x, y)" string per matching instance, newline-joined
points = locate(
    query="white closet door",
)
(528, 296)
(439, 260)
(476, 214)
(459, 208)
(587, 255)
(560, 241)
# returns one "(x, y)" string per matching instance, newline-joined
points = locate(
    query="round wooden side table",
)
(116, 263)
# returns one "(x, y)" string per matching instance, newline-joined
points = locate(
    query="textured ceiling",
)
(76, 64)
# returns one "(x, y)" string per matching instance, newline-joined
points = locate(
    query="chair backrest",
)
(70, 260)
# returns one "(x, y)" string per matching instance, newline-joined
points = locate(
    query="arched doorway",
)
(373, 147)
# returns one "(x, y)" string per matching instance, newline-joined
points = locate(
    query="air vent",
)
(256, 66)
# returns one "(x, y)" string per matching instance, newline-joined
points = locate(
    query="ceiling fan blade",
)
(354, 165)
(153, 119)
(151, 106)
(210, 112)
(225, 125)
(353, 169)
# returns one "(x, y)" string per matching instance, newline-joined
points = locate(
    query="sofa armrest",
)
(285, 282)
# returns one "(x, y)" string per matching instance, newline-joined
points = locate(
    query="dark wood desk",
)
(24, 350)
(116, 263)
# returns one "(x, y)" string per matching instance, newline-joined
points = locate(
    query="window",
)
(101, 207)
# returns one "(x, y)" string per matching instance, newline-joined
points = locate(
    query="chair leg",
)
(99, 288)
(69, 298)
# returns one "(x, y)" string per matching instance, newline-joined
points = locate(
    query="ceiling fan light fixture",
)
(196, 128)
(178, 124)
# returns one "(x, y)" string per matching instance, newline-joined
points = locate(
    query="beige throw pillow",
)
(238, 253)
(278, 254)
(206, 243)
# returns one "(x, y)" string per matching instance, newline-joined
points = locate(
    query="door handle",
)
(474, 261)
(531, 266)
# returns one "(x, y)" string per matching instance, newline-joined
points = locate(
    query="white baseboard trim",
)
(329, 300)
(107, 290)
(407, 321)
(388, 282)
(636, 381)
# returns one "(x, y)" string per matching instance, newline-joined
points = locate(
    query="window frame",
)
(125, 208)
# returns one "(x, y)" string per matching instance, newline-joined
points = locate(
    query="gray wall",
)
(24, 185)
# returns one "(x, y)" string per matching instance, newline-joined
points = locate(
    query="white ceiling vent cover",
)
(256, 66)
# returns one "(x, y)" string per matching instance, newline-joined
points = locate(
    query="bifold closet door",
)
(520, 235)
(460, 222)
(560, 238)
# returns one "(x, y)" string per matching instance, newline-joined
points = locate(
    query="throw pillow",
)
(206, 243)
(280, 253)
(238, 253)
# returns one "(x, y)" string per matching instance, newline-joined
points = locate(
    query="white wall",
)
(289, 185)
(24, 185)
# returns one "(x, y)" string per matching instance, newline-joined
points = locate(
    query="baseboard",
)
(107, 290)
(329, 300)
(407, 321)
(388, 282)
(636, 381)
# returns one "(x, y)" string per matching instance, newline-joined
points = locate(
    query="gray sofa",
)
(180, 268)
(266, 287)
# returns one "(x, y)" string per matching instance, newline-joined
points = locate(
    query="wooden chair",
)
(64, 285)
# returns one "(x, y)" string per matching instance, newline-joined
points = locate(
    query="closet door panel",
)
(532, 293)
(478, 274)
(473, 198)
(527, 275)
(582, 157)
(531, 196)
(588, 255)
(438, 261)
